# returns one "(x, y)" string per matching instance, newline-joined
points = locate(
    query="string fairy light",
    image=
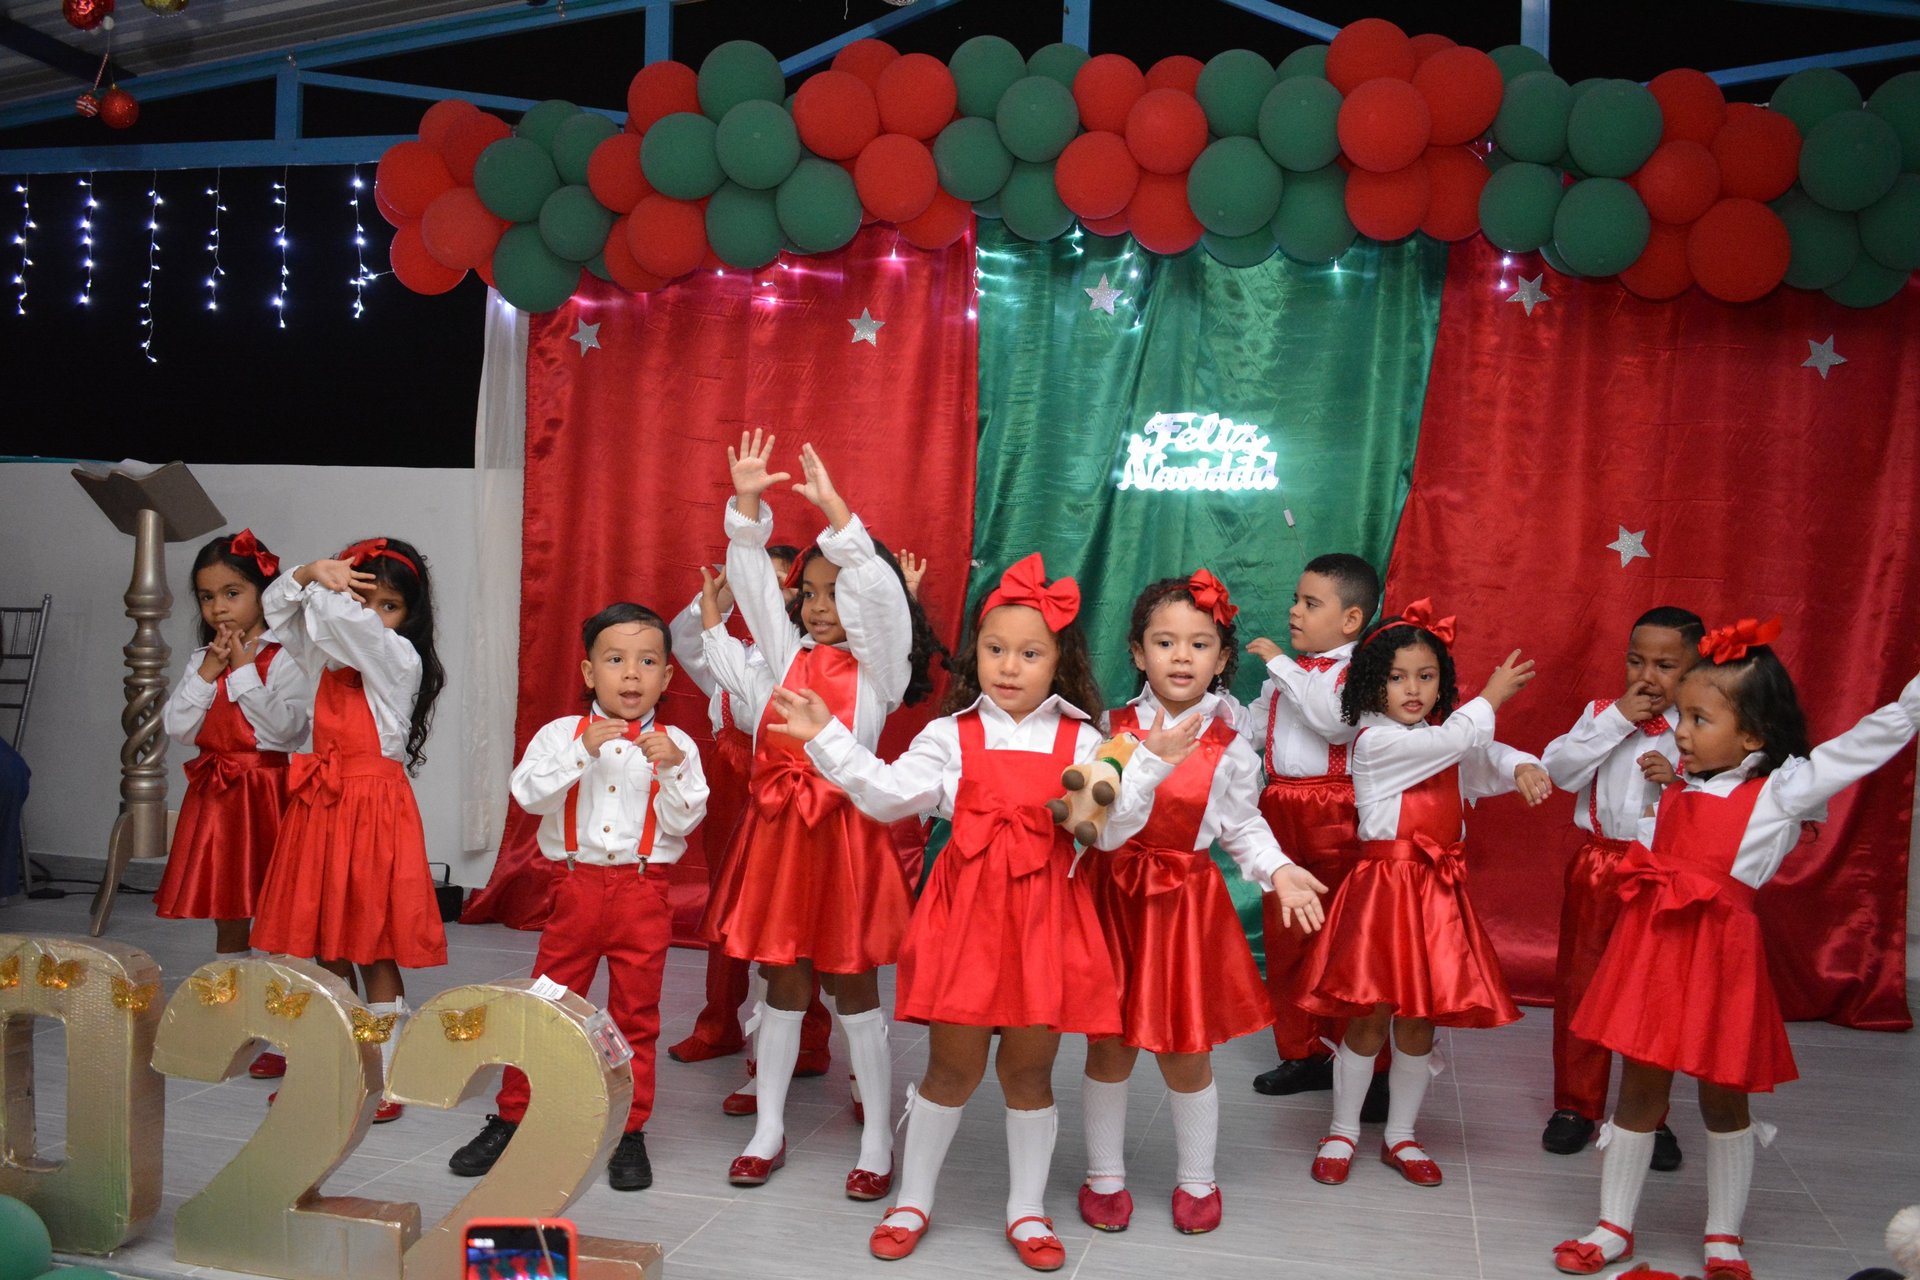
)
(26, 227)
(361, 276)
(153, 265)
(86, 238)
(213, 246)
(280, 238)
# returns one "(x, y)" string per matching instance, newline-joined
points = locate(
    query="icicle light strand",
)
(86, 238)
(26, 231)
(153, 266)
(213, 246)
(280, 238)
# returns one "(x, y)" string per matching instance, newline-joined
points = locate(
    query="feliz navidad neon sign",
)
(1182, 451)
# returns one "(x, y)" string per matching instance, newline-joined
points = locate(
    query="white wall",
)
(57, 541)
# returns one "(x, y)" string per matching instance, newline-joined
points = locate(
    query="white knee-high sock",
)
(930, 1130)
(398, 1008)
(869, 1060)
(750, 1025)
(1196, 1135)
(1729, 1179)
(1407, 1078)
(1030, 1137)
(1352, 1073)
(1623, 1171)
(1105, 1104)
(776, 1049)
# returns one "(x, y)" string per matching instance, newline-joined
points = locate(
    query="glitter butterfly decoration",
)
(134, 997)
(283, 1003)
(368, 1029)
(462, 1025)
(219, 989)
(58, 975)
(10, 972)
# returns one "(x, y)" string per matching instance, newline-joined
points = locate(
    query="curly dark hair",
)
(925, 643)
(1366, 686)
(1073, 678)
(1764, 703)
(220, 551)
(414, 587)
(1157, 594)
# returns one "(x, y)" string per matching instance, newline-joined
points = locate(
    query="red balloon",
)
(1166, 131)
(1117, 225)
(896, 177)
(1738, 250)
(1159, 215)
(470, 136)
(1455, 176)
(118, 109)
(415, 268)
(1691, 105)
(458, 231)
(1389, 206)
(1384, 125)
(1367, 50)
(1679, 182)
(667, 237)
(486, 274)
(436, 125)
(613, 173)
(1105, 89)
(1175, 71)
(917, 96)
(1758, 152)
(944, 222)
(661, 89)
(866, 59)
(1661, 271)
(1096, 175)
(1462, 87)
(1427, 44)
(621, 264)
(86, 14)
(394, 218)
(836, 114)
(409, 175)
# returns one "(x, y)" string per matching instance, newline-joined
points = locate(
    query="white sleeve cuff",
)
(747, 532)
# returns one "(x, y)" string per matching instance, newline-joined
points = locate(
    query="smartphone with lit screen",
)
(519, 1249)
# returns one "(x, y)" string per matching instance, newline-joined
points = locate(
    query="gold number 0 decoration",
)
(107, 1188)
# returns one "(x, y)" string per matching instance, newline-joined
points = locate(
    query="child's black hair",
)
(409, 578)
(783, 551)
(1764, 703)
(220, 551)
(1673, 618)
(619, 614)
(1366, 686)
(1357, 581)
(1157, 594)
(925, 643)
(1073, 678)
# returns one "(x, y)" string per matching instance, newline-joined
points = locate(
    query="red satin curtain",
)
(627, 471)
(1761, 489)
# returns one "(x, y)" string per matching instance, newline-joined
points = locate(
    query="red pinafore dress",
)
(230, 817)
(807, 875)
(1005, 935)
(1401, 930)
(1684, 982)
(349, 879)
(1187, 980)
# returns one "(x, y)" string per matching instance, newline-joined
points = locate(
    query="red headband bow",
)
(1730, 643)
(1210, 596)
(1026, 583)
(375, 549)
(792, 579)
(1420, 614)
(244, 545)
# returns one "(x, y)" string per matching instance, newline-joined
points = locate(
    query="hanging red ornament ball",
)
(165, 6)
(87, 105)
(86, 14)
(119, 109)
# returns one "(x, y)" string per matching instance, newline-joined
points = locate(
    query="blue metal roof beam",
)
(808, 59)
(1867, 8)
(256, 153)
(1292, 19)
(1844, 58)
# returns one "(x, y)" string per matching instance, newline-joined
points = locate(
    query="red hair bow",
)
(244, 545)
(792, 579)
(1026, 583)
(1420, 614)
(1210, 596)
(1731, 642)
(374, 549)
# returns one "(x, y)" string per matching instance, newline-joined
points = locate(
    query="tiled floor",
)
(1848, 1155)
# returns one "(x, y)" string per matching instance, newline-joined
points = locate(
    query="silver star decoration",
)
(587, 335)
(1530, 294)
(1631, 546)
(1822, 356)
(866, 329)
(1104, 296)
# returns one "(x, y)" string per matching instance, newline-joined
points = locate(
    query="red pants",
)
(1314, 821)
(1587, 915)
(621, 915)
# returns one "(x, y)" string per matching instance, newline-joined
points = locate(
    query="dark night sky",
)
(397, 387)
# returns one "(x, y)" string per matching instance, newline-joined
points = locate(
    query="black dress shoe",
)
(1295, 1075)
(1373, 1110)
(1666, 1151)
(1567, 1133)
(629, 1169)
(478, 1156)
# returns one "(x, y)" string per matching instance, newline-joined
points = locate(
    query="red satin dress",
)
(1401, 929)
(808, 876)
(1684, 982)
(1187, 980)
(349, 879)
(1004, 936)
(230, 817)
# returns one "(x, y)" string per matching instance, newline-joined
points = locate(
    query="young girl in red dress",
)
(1683, 986)
(1187, 978)
(1005, 936)
(1403, 949)
(349, 884)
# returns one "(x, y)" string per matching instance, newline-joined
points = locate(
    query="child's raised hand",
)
(1534, 784)
(1173, 743)
(818, 488)
(802, 715)
(1264, 649)
(1657, 769)
(913, 571)
(715, 597)
(1299, 895)
(600, 733)
(1637, 703)
(1509, 678)
(749, 468)
(337, 575)
(660, 750)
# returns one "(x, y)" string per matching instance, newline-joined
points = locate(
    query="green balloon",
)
(1869, 284)
(1567, 165)
(984, 68)
(1311, 224)
(1850, 160)
(1898, 103)
(1249, 250)
(1583, 87)
(1232, 87)
(1030, 206)
(757, 145)
(743, 226)
(598, 265)
(1498, 160)
(574, 224)
(818, 207)
(972, 161)
(1532, 124)
(1558, 263)
(1311, 60)
(1234, 187)
(1037, 118)
(574, 141)
(1809, 97)
(513, 178)
(1601, 226)
(1613, 128)
(1890, 226)
(529, 275)
(736, 72)
(29, 1248)
(1516, 60)
(988, 208)
(543, 120)
(1517, 206)
(1825, 244)
(678, 156)
(1060, 62)
(1297, 124)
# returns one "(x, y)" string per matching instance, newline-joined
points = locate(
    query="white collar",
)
(1148, 703)
(646, 725)
(1054, 703)
(1338, 651)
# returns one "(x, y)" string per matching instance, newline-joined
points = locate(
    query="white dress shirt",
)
(689, 654)
(332, 630)
(1598, 759)
(1391, 757)
(279, 708)
(1305, 706)
(610, 809)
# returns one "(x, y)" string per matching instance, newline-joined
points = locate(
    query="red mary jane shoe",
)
(1726, 1268)
(268, 1066)
(890, 1244)
(1578, 1258)
(387, 1112)
(741, 1104)
(1420, 1172)
(752, 1171)
(864, 1184)
(1109, 1212)
(1333, 1170)
(1195, 1215)
(1040, 1253)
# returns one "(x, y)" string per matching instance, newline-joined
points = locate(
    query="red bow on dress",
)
(1449, 860)
(1673, 888)
(1730, 643)
(245, 546)
(374, 549)
(1148, 872)
(1420, 614)
(1026, 583)
(1210, 596)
